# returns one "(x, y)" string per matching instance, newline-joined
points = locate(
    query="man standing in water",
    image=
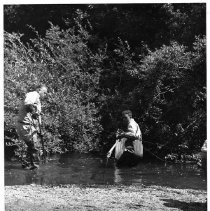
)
(131, 134)
(28, 125)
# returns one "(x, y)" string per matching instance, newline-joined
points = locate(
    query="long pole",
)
(42, 140)
(110, 153)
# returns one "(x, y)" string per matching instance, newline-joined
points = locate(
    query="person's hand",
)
(121, 135)
(35, 116)
(118, 133)
(108, 154)
(40, 134)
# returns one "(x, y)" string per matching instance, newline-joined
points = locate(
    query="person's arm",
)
(133, 132)
(130, 133)
(37, 104)
(33, 99)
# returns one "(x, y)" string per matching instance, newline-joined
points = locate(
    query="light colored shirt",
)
(204, 147)
(32, 98)
(134, 129)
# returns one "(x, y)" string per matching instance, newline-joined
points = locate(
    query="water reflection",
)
(86, 169)
(117, 176)
(127, 176)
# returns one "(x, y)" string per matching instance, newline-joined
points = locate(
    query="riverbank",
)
(123, 198)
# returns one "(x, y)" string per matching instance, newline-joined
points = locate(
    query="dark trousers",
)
(33, 152)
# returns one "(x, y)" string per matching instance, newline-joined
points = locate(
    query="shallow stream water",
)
(92, 170)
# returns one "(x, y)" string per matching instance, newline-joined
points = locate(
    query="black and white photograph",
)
(105, 106)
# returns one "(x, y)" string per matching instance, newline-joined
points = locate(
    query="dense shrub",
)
(173, 96)
(166, 90)
(92, 79)
(63, 62)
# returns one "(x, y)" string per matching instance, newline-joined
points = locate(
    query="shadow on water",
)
(92, 170)
(185, 206)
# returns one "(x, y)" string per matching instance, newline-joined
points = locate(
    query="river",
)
(93, 170)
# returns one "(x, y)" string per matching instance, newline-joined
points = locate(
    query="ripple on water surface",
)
(88, 169)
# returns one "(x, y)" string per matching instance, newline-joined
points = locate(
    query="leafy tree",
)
(150, 58)
(63, 62)
(170, 93)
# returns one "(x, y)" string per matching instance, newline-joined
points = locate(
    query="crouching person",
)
(128, 139)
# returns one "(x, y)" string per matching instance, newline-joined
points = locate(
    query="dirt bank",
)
(123, 198)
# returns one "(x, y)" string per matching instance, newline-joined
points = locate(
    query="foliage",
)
(166, 90)
(63, 62)
(169, 96)
(150, 58)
